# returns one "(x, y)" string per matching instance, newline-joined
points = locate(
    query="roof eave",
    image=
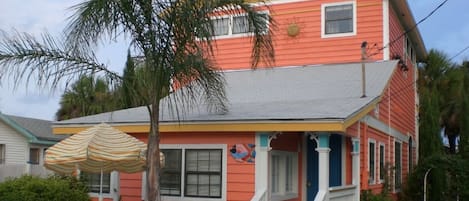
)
(402, 9)
(25, 133)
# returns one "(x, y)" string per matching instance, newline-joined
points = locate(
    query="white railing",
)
(320, 196)
(260, 195)
(342, 193)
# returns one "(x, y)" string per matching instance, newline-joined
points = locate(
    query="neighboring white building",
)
(23, 142)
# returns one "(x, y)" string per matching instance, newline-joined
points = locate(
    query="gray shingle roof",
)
(314, 92)
(41, 129)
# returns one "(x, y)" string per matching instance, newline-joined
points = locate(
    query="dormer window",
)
(338, 19)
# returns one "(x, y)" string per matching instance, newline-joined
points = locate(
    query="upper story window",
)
(338, 19)
(234, 26)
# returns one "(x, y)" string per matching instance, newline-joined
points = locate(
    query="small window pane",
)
(275, 173)
(93, 181)
(240, 24)
(371, 156)
(381, 162)
(398, 166)
(221, 26)
(339, 19)
(170, 179)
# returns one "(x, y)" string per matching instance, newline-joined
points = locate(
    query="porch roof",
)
(292, 94)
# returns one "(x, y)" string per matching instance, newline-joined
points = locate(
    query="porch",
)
(306, 166)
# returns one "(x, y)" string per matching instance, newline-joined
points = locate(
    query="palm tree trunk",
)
(153, 152)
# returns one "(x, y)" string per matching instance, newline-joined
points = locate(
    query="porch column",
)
(262, 161)
(323, 150)
(356, 167)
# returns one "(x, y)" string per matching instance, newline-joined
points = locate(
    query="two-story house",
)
(324, 123)
(22, 145)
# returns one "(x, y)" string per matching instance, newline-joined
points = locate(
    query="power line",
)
(460, 52)
(412, 28)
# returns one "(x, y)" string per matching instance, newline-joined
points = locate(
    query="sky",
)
(446, 30)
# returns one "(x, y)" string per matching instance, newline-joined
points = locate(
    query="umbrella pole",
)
(101, 186)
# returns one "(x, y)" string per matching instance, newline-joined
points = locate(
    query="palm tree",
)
(173, 37)
(87, 96)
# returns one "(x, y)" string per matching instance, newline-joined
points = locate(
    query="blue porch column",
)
(323, 150)
(356, 167)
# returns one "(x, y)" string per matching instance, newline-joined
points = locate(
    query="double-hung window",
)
(193, 171)
(371, 161)
(2, 153)
(338, 19)
(284, 174)
(203, 173)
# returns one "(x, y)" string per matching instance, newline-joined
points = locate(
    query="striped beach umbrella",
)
(98, 149)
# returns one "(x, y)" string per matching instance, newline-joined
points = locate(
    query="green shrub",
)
(54, 188)
(367, 195)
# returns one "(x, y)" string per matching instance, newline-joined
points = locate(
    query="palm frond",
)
(45, 61)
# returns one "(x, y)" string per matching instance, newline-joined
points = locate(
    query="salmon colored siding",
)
(307, 47)
(240, 176)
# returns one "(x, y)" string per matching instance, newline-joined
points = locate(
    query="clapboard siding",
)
(240, 176)
(308, 47)
(16, 145)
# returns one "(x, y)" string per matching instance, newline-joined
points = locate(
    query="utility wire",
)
(412, 28)
(460, 52)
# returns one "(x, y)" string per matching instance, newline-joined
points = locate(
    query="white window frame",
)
(113, 185)
(283, 194)
(230, 26)
(3, 151)
(183, 147)
(323, 19)
(372, 180)
(382, 162)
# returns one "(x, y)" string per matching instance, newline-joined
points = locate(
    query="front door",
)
(335, 165)
(312, 170)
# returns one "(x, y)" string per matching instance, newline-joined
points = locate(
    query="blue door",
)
(312, 171)
(335, 165)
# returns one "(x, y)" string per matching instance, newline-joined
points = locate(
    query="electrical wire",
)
(412, 28)
(460, 52)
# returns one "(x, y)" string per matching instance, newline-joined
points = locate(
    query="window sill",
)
(337, 35)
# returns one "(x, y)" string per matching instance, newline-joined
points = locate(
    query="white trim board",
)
(381, 126)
